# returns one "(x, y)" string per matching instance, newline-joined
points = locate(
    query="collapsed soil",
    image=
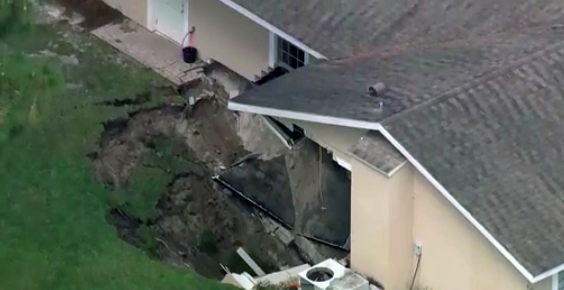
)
(96, 13)
(194, 224)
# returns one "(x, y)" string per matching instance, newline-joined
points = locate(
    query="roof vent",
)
(376, 89)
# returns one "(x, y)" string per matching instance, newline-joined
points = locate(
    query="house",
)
(456, 162)
(447, 113)
(224, 31)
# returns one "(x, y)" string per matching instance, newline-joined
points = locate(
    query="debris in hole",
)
(190, 219)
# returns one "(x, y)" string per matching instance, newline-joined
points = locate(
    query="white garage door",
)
(171, 18)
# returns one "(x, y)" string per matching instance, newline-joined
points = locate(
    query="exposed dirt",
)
(95, 12)
(212, 133)
(305, 188)
(197, 225)
(205, 227)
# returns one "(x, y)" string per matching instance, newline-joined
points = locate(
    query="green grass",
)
(53, 233)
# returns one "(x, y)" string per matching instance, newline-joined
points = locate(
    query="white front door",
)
(171, 18)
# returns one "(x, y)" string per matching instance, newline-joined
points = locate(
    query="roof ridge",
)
(469, 83)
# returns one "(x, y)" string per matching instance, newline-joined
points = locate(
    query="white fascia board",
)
(378, 127)
(272, 28)
(342, 162)
(552, 272)
(302, 116)
(272, 48)
(393, 171)
(458, 206)
(276, 132)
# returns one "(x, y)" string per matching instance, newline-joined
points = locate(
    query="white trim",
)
(272, 28)
(272, 49)
(555, 282)
(551, 272)
(365, 163)
(276, 132)
(393, 171)
(341, 162)
(458, 206)
(386, 174)
(302, 116)
(150, 17)
(412, 160)
(306, 58)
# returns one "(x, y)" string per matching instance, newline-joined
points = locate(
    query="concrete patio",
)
(151, 50)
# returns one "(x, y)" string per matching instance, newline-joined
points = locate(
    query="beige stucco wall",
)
(227, 36)
(134, 9)
(391, 215)
(338, 139)
(545, 284)
(455, 254)
(382, 224)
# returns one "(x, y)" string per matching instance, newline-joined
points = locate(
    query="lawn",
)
(53, 232)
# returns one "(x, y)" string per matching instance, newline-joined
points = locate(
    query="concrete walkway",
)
(151, 50)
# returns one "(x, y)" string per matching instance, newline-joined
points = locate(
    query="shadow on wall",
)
(304, 188)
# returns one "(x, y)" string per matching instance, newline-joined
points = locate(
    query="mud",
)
(192, 221)
(206, 226)
(95, 12)
(197, 225)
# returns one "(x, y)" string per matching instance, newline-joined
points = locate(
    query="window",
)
(290, 54)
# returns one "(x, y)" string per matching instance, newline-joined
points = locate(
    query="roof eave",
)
(235, 106)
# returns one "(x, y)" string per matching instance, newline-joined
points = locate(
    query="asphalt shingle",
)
(377, 152)
(412, 76)
(484, 116)
(343, 28)
(497, 146)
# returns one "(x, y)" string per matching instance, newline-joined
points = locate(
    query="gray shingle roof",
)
(377, 152)
(342, 28)
(413, 76)
(484, 116)
(498, 147)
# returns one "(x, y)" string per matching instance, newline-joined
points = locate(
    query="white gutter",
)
(342, 162)
(301, 116)
(378, 127)
(272, 28)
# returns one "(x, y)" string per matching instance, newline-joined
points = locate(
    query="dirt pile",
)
(159, 163)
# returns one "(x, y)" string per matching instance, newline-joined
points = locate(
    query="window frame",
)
(276, 52)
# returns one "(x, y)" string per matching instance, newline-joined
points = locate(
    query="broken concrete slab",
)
(250, 262)
(309, 250)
